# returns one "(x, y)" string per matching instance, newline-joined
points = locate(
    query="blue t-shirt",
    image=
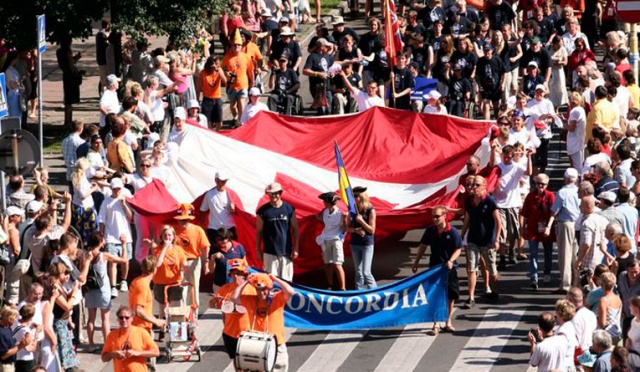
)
(221, 270)
(7, 342)
(276, 231)
(482, 225)
(443, 245)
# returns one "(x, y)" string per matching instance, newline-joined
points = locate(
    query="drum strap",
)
(255, 315)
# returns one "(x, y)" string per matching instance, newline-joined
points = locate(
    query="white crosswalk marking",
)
(408, 349)
(484, 347)
(333, 351)
(288, 331)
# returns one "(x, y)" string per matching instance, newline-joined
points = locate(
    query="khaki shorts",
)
(489, 255)
(510, 226)
(332, 251)
(279, 266)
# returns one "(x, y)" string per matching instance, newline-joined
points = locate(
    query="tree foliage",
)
(64, 18)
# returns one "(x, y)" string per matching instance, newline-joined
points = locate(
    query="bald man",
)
(591, 235)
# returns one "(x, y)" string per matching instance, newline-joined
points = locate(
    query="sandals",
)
(449, 328)
(434, 331)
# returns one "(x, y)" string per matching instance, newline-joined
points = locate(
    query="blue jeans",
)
(533, 259)
(362, 258)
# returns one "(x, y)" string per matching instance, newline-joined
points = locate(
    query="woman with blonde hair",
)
(63, 301)
(575, 125)
(171, 267)
(362, 231)
(565, 311)
(84, 217)
(610, 307)
(8, 315)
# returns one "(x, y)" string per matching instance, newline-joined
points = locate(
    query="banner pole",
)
(391, 46)
(40, 125)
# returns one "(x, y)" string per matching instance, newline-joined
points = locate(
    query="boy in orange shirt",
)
(129, 346)
(235, 319)
(238, 68)
(267, 310)
(211, 80)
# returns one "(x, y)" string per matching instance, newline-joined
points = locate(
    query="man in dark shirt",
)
(459, 90)
(343, 102)
(277, 228)
(456, 25)
(286, 46)
(482, 221)
(340, 31)
(431, 13)
(500, 12)
(446, 244)
(404, 82)
(490, 74)
(542, 58)
(317, 68)
(413, 27)
(284, 82)
(267, 26)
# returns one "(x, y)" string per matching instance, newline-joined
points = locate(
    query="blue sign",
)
(4, 106)
(421, 87)
(42, 34)
(417, 299)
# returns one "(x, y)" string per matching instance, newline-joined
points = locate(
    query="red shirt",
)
(537, 211)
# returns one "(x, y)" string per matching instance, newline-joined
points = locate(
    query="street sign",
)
(628, 10)
(4, 106)
(42, 34)
(19, 152)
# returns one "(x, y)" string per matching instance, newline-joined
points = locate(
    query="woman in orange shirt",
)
(170, 266)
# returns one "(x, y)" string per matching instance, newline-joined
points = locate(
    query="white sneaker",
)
(487, 290)
(123, 286)
(114, 292)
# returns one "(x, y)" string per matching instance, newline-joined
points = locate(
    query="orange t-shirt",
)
(260, 309)
(240, 65)
(137, 339)
(253, 51)
(170, 272)
(235, 322)
(211, 84)
(192, 240)
(140, 294)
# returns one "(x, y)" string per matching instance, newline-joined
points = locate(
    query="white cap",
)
(608, 196)
(254, 91)
(34, 206)
(180, 113)
(222, 175)
(14, 211)
(571, 173)
(116, 183)
(533, 64)
(193, 103)
(433, 94)
(112, 79)
(541, 87)
(266, 12)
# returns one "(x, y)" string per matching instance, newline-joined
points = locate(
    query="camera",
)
(585, 274)
(232, 78)
(534, 332)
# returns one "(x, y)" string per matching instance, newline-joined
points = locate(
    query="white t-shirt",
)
(365, 102)
(525, 137)
(115, 220)
(85, 187)
(568, 330)
(218, 204)
(332, 224)
(175, 136)
(138, 181)
(591, 160)
(537, 109)
(549, 354)
(252, 110)
(622, 98)
(575, 139)
(157, 106)
(428, 109)
(507, 193)
(109, 100)
(634, 335)
(19, 335)
(585, 322)
(37, 317)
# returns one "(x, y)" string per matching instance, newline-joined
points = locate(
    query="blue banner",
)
(417, 299)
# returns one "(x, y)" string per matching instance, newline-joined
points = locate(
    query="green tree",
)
(64, 17)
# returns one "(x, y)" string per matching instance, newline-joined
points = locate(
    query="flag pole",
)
(389, 33)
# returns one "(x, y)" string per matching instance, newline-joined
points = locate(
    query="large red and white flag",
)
(409, 163)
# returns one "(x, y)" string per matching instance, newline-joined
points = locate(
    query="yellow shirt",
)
(635, 94)
(603, 113)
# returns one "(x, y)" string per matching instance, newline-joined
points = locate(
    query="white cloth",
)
(591, 160)
(539, 108)
(19, 335)
(115, 221)
(218, 204)
(177, 136)
(157, 106)
(365, 102)
(78, 192)
(585, 322)
(252, 110)
(37, 317)
(575, 139)
(110, 101)
(332, 220)
(428, 109)
(568, 330)
(507, 193)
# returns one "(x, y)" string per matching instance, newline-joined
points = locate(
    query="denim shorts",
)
(116, 249)
(235, 95)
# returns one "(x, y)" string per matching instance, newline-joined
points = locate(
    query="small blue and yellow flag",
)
(346, 193)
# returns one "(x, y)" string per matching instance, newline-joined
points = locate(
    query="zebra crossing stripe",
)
(483, 349)
(288, 331)
(333, 351)
(408, 349)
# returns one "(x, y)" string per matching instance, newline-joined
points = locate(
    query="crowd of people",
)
(518, 63)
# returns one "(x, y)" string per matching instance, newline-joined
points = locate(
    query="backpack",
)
(94, 279)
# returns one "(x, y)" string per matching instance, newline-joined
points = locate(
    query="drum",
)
(256, 351)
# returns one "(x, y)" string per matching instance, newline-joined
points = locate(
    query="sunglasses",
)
(504, 123)
(274, 193)
(124, 317)
(436, 216)
(541, 184)
(145, 165)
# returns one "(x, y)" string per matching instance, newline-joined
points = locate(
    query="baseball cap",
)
(34, 206)
(433, 94)
(222, 175)
(193, 103)
(608, 196)
(273, 187)
(571, 173)
(533, 64)
(487, 47)
(180, 113)
(541, 87)
(112, 79)
(265, 12)
(14, 211)
(517, 113)
(535, 40)
(254, 91)
(286, 31)
(116, 183)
